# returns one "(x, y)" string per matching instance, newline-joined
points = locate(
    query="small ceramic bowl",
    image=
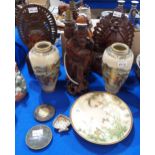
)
(61, 123)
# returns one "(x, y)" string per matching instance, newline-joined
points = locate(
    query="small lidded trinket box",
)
(44, 112)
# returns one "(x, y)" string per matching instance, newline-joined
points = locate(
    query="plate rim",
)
(100, 143)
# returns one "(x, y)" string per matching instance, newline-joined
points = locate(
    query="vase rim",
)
(43, 46)
(120, 48)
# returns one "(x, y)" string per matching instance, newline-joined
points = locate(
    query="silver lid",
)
(38, 137)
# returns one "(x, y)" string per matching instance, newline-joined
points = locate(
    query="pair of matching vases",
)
(117, 61)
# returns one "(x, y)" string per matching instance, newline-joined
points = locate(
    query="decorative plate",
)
(44, 112)
(38, 137)
(101, 118)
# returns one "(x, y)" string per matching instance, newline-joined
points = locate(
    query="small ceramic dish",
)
(44, 112)
(61, 123)
(38, 137)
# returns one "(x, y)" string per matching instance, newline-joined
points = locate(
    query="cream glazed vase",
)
(117, 61)
(45, 61)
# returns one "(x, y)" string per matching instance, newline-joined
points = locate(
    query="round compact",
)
(44, 112)
(38, 137)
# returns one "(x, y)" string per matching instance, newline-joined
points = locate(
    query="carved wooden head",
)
(112, 29)
(36, 23)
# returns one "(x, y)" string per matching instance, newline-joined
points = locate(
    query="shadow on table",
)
(96, 83)
(58, 98)
(108, 149)
(92, 77)
(22, 103)
(130, 98)
(34, 85)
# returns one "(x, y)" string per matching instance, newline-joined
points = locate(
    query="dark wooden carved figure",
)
(77, 59)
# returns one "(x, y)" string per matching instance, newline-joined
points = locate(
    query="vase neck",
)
(120, 48)
(43, 47)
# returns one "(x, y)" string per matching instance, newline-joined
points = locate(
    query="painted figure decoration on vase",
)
(78, 58)
(117, 61)
(45, 61)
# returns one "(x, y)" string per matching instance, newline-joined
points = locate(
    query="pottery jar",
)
(117, 61)
(45, 61)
